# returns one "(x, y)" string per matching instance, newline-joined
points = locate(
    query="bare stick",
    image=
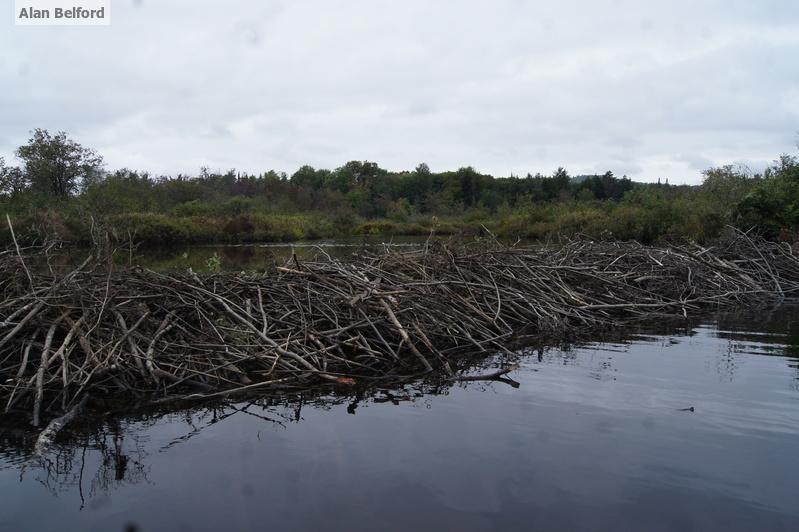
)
(19, 253)
(489, 376)
(47, 436)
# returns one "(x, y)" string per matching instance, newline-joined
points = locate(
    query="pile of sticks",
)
(378, 317)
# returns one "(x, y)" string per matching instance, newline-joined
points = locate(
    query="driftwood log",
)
(378, 317)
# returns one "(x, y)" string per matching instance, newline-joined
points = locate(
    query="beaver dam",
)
(100, 332)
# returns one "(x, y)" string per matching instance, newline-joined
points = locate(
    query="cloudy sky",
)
(508, 86)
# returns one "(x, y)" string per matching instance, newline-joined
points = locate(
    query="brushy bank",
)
(648, 220)
(155, 229)
(62, 190)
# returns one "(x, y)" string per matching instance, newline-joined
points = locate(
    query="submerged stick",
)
(489, 376)
(47, 436)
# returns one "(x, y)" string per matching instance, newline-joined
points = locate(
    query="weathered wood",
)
(379, 317)
(47, 436)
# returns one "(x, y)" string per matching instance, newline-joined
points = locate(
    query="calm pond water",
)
(225, 257)
(596, 437)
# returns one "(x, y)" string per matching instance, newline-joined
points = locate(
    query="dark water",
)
(255, 256)
(595, 438)
(210, 258)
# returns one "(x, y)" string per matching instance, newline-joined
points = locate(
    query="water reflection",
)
(598, 436)
(250, 257)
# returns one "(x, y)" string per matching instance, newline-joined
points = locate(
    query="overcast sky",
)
(505, 86)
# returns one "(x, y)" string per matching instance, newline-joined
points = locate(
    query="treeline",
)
(62, 187)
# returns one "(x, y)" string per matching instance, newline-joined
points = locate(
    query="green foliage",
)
(56, 165)
(122, 191)
(773, 205)
(390, 228)
(154, 228)
(399, 210)
(214, 263)
(59, 191)
(13, 181)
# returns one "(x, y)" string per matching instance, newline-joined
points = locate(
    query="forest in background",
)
(62, 190)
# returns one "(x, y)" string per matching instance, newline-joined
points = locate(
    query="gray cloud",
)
(506, 86)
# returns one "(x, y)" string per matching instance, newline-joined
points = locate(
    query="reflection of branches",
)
(97, 456)
(766, 332)
(201, 419)
(725, 364)
(114, 452)
(122, 460)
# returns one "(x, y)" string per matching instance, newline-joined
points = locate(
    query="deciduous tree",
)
(57, 165)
